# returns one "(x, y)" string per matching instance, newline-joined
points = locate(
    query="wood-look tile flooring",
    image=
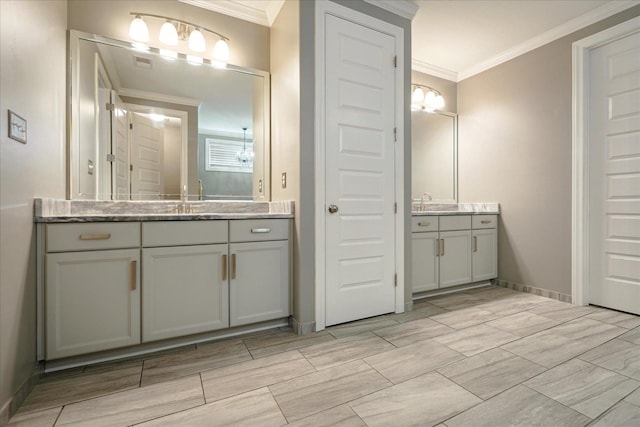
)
(483, 357)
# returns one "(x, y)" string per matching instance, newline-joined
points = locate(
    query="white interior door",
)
(147, 159)
(359, 171)
(120, 177)
(614, 181)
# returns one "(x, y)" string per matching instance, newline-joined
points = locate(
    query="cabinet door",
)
(485, 254)
(455, 259)
(424, 264)
(92, 301)
(184, 290)
(259, 285)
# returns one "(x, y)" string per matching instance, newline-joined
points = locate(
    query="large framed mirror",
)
(434, 156)
(154, 125)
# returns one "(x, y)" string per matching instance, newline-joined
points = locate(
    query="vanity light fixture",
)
(173, 30)
(426, 98)
(245, 158)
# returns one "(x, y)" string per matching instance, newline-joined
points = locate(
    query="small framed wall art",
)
(17, 127)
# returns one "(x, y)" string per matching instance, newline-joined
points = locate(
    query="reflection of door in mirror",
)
(434, 156)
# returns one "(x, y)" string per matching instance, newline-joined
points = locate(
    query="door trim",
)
(581, 52)
(323, 8)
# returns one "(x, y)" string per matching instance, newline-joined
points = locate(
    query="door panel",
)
(425, 261)
(359, 170)
(614, 182)
(455, 258)
(147, 159)
(121, 179)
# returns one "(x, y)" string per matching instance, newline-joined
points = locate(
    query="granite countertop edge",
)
(452, 213)
(159, 217)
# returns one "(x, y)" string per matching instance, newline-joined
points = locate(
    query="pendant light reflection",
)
(430, 101)
(245, 158)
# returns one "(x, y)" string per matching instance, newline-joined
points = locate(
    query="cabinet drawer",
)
(455, 222)
(92, 236)
(253, 230)
(180, 233)
(423, 223)
(484, 221)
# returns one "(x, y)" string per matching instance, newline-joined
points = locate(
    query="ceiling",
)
(455, 39)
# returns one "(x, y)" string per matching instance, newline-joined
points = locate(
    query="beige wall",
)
(32, 83)
(285, 121)
(447, 88)
(515, 148)
(248, 42)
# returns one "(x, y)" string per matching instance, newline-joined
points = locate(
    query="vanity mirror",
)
(434, 156)
(155, 125)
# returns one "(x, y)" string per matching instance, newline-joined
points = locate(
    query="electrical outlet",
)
(284, 180)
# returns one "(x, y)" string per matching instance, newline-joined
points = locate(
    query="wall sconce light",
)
(426, 98)
(174, 30)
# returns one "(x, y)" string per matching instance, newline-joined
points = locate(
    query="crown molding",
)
(241, 11)
(405, 8)
(567, 28)
(433, 70)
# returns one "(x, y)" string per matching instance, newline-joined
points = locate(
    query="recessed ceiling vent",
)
(142, 62)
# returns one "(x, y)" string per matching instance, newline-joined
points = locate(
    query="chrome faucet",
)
(184, 207)
(422, 206)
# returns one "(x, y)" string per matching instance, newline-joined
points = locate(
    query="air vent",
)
(142, 62)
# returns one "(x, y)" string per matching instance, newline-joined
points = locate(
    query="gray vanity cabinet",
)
(184, 268)
(425, 263)
(259, 270)
(92, 289)
(485, 247)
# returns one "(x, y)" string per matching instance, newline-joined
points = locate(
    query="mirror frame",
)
(454, 116)
(73, 114)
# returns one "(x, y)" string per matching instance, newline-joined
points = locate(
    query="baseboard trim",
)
(11, 407)
(533, 290)
(302, 328)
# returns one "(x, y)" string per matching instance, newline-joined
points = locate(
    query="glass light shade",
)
(221, 51)
(418, 96)
(439, 102)
(196, 41)
(168, 34)
(430, 98)
(138, 30)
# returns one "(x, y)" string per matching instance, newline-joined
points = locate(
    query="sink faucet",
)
(184, 207)
(422, 207)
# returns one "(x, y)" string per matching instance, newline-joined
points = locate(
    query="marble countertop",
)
(432, 209)
(54, 210)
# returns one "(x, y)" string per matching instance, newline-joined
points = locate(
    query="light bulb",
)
(196, 41)
(221, 51)
(439, 102)
(168, 34)
(418, 95)
(138, 30)
(430, 99)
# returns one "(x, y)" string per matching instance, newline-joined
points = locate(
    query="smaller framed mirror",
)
(434, 156)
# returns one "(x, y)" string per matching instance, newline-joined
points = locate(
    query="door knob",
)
(333, 209)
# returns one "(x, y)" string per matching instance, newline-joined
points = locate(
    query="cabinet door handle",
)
(133, 274)
(94, 236)
(485, 221)
(442, 252)
(233, 266)
(261, 230)
(224, 267)
(424, 224)
(475, 243)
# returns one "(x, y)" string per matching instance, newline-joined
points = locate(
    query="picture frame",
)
(17, 127)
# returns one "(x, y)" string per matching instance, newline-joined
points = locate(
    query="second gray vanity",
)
(453, 244)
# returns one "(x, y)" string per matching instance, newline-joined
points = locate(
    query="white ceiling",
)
(456, 39)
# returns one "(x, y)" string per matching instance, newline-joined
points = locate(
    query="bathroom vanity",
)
(453, 245)
(111, 280)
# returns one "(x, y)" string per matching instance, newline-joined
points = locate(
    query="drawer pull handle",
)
(440, 247)
(261, 230)
(424, 224)
(485, 221)
(224, 267)
(133, 277)
(93, 236)
(475, 243)
(233, 266)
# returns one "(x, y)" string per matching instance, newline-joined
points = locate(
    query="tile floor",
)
(483, 357)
